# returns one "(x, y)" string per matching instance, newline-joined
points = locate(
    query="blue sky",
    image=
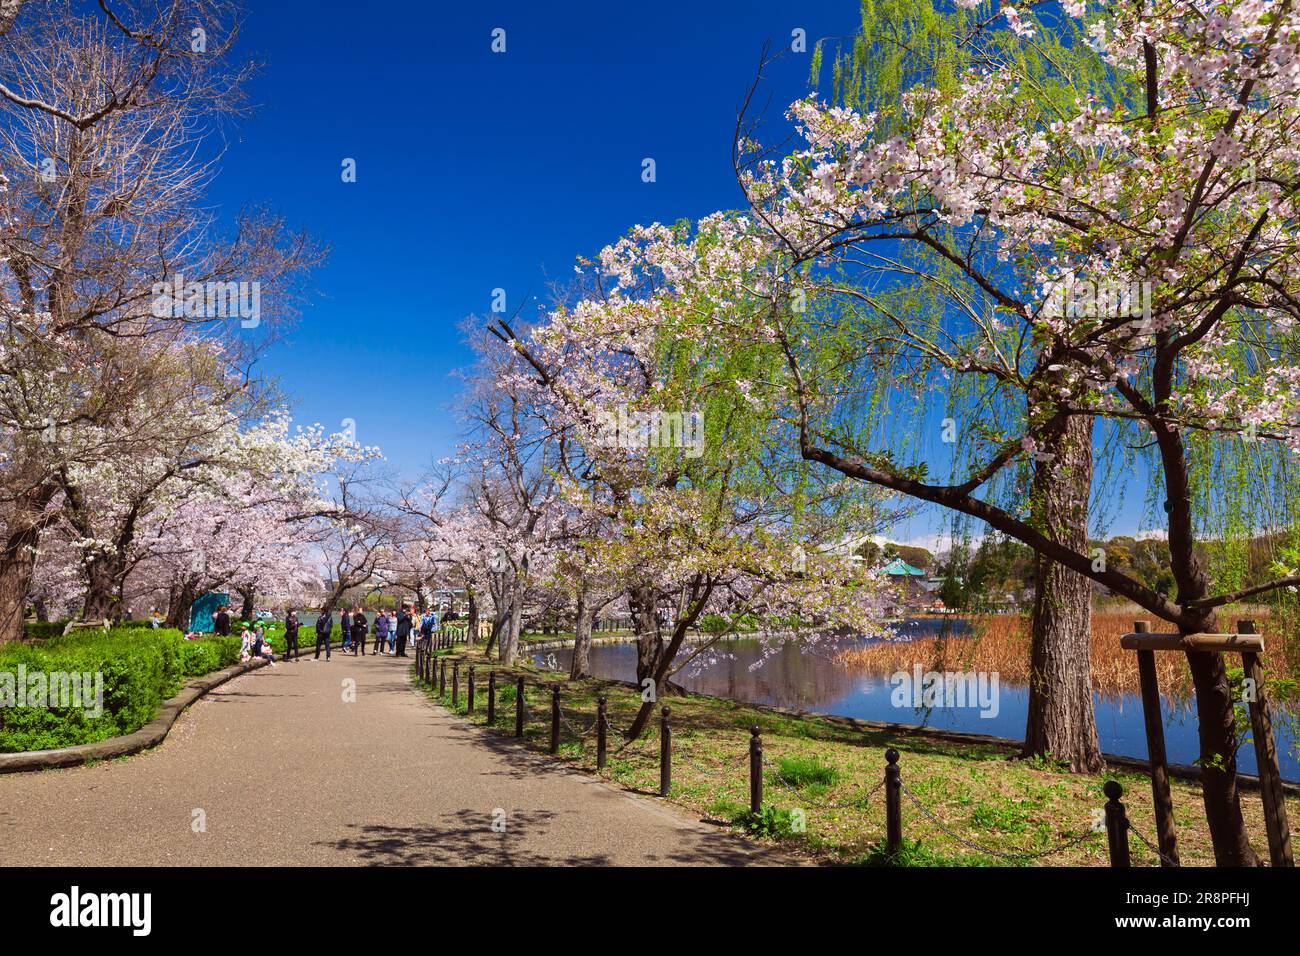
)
(478, 170)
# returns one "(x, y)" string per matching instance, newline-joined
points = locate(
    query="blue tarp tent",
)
(204, 610)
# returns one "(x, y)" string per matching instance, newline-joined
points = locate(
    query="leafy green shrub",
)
(44, 630)
(140, 668)
(770, 821)
(208, 654)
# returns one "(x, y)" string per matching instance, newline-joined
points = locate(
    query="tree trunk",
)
(1061, 721)
(580, 666)
(649, 642)
(471, 623)
(1217, 732)
(510, 640)
(103, 575)
(249, 597)
(178, 607)
(18, 560)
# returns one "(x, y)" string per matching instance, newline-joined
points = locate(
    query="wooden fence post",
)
(519, 707)
(492, 698)
(602, 723)
(1116, 824)
(893, 804)
(555, 718)
(1167, 837)
(455, 683)
(755, 770)
(1270, 776)
(442, 679)
(665, 754)
(469, 691)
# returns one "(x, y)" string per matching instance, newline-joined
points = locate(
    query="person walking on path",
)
(426, 627)
(324, 625)
(381, 631)
(221, 623)
(345, 623)
(291, 635)
(359, 628)
(403, 630)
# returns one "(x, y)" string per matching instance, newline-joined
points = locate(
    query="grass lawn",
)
(819, 787)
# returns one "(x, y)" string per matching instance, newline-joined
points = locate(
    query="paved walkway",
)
(285, 772)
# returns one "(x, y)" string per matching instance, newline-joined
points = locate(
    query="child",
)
(245, 643)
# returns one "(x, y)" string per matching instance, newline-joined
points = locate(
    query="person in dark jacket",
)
(291, 635)
(221, 623)
(359, 628)
(345, 623)
(403, 630)
(324, 625)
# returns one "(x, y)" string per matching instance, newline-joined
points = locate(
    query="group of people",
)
(392, 631)
(254, 643)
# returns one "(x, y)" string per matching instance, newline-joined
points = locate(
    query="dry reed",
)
(1000, 644)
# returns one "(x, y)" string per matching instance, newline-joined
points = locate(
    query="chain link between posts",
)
(858, 801)
(1000, 854)
(640, 745)
(1148, 844)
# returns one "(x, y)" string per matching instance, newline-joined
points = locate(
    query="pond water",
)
(804, 678)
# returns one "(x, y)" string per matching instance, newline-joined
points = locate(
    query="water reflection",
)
(808, 678)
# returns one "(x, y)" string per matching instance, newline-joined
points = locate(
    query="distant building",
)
(900, 570)
(910, 583)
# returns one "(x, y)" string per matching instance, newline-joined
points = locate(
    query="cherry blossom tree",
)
(103, 113)
(690, 502)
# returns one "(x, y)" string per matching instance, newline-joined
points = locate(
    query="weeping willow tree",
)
(902, 44)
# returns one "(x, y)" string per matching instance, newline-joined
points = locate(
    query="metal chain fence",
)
(1000, 854)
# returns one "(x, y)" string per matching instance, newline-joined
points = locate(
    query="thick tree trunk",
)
(180, 601)
(580, 666)
(249, 597)
(18, 560)
(103, 577)
(1061, 721)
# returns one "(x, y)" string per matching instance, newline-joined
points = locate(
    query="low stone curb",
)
(150, 735)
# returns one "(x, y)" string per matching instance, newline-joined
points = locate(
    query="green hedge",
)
(141, 669)
(43, 630)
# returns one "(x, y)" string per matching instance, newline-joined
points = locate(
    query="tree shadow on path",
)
(460, 838)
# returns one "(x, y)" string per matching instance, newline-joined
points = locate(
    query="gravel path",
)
(275, 768)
